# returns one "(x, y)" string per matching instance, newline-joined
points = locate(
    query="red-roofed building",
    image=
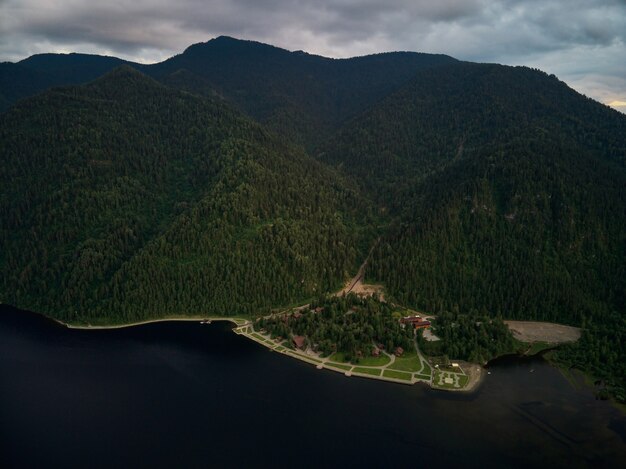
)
(298, 341)
(416, 321)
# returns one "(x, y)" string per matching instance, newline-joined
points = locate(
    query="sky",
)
(583, 42)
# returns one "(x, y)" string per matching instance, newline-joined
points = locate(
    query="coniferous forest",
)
(237, 178)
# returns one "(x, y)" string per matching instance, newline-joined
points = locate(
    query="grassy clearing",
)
(257, 336)
(374, 361)
(338, 365)
(367, 371)
(537, 347)
(423, 377)
(338, 357)
(427, 370)
(397, 375)
(409, 362)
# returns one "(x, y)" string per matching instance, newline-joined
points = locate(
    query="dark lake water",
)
(189, 395)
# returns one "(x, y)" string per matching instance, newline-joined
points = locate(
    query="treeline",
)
(601, 351)
(474, 337)
(348, 324)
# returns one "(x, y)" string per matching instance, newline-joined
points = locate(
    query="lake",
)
(180, 394)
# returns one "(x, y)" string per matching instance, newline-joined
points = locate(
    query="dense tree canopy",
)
(495, 191)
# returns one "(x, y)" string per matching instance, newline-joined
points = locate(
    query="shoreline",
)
(236, 321)
(244, 327)
(475, 372)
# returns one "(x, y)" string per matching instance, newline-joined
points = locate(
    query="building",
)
(416, 321)
(298, 341)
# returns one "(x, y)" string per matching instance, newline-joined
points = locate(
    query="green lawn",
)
(427, 370)
(397, 375)
(257, 336)
(338, 365)
(537, 347)
(463, 381)
(338, 357)
(424, 377)
(374, 361)
(408, 362)
(367, 371)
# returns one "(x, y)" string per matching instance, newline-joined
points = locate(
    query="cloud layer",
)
(581, 41)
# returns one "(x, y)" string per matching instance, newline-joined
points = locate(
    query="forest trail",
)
(356, 285)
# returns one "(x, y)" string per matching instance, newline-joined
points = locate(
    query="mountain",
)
(124, 199)
(494, 174)
(238, 177)
(506, 194)
(42, 71)
(301, 96)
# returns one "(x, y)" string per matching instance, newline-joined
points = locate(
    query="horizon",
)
(583, 43)
(616, 105)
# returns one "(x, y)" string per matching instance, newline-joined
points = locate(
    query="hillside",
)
(124, 199)
(494, 174)
(42, 71)
(505, 191)
(303, 97)
(299, 95)
(495, 191)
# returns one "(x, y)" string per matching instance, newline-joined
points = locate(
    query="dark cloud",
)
(582, 41)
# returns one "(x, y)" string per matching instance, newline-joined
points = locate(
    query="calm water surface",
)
(190, 395)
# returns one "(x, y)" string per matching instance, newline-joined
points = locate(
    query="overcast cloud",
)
(583, 42)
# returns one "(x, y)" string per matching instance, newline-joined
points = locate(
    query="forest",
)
(472, 337)
(125, 200)
(239, 179)
(349, 324)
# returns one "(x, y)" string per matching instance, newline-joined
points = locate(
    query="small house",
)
(298, 341)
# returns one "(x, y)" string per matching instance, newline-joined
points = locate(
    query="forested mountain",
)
(507, 191)
(495, 191)
(124, 199)
(42, 71)
(301, 96)
(506, 194)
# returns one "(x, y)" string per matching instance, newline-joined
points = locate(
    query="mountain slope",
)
(494, 174)
(42, 71)
(301, 96)
(124, 199)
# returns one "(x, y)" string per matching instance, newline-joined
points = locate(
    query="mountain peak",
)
(124, 79)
